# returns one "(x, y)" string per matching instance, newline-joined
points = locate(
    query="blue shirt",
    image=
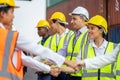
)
(44, 39)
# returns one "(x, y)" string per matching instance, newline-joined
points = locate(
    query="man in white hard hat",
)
(79, 16)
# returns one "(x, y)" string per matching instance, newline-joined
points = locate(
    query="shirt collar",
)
(2, 26)
(81, 30)
(66, 31)
(104, 44)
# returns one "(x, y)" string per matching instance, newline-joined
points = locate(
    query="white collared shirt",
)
(59, 36)
(99, 50)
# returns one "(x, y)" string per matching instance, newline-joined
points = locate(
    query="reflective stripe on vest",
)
(7, 70)
(73, 50)
(56, 47)
(106, 73)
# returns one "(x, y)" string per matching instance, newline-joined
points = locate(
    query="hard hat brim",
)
(73, 14)
(15, 6)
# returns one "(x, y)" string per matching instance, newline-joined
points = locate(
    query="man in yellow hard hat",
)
(61, 35)
(12, 43)
(43, 31)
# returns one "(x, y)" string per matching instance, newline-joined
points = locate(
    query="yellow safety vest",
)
(47, 42)
(105, 73)
(53, 43)
(74, 49)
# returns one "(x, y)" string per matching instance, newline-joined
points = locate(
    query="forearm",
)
(30, 62)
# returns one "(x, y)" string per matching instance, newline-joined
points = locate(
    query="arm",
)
(101, 61)
(44, 53)
(32, 63)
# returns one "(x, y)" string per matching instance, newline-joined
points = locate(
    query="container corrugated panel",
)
(113, 12)
(114, 20)
(94, 7)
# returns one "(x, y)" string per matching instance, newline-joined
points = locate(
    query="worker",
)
(12, 68)
(43, 29)
(58, 24)
(61, 36)
(79, 16)
(97, 30)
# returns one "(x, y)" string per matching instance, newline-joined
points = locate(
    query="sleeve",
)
(32, 63)
(101, 61)
(44, 53)
(63, 51)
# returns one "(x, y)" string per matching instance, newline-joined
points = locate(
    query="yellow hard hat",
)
(8, 3)
(43, 23)
(59, 16)
(98, 20)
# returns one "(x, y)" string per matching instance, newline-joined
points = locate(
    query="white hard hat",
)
(82, 11)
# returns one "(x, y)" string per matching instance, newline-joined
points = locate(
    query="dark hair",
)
(62, 24)
(5, 9)
(103, 34)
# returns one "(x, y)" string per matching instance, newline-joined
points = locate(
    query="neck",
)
(45, 35)
(99, 41)
(81, 26)
(61, 30)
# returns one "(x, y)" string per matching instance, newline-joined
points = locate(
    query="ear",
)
(2, 13)
(101, 31)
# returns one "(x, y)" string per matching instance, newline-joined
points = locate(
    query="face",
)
(53, 28)
(8, 18)
(94, 32)
(42, 31)
(76, 22)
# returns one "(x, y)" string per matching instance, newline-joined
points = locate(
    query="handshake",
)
(71, 67)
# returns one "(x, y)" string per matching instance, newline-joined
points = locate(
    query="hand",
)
(75, 64)
(79, 65)
(71, 64)
(48, 63)
(67, 69)
(55, 71)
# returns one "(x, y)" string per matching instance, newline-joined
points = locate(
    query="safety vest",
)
(105, 73)
(7, 46)
(56, 47)
(74, 49)
(47, 42)
(118, 65)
